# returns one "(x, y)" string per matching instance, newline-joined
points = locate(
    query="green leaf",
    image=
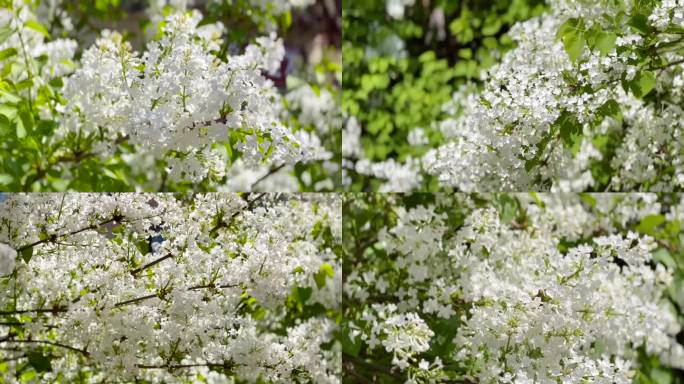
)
(8, 97)
(649, 223)
(643, 83)
(492, 25)
(301, 295)
(101, 5)
(569, 128)
(5, 124)
(574, 45)
(27, 254)
(325, 271)
(661, 376)
(286, 20)
(572, 35)
(38, 27)
(350, 345)
(541, 146)
(507, 206)
(663, 256)
(26, 117)
(5, 33)
(605, 42)
(21, 131)
(639, 23)
(39, 362)
(143, 246)
(7, 52)
(610, 108)
(445, 330)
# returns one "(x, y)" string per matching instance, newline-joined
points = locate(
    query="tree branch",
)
(153, 295)
(136, 300)
(372, 367)
(181, 366)
(53, 237)
(151, 264)
(48, 342)
(269, 173)
(53, 311)
(209, 286)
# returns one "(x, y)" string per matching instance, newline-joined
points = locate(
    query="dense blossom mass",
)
(514, 289)
(169, 288)
(589, 99)
(179, 98)
(185, 99)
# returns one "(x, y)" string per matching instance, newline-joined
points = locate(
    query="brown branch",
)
(209, 286)
(20, 324)
(151, 264)
(136, 300)
(76, 157)
(9, 336)
(13, 358)
(74, 232)
(250, 206)
(116, 217)
(269, 173)
(48, 342)
(676, 62)
(349, 368)
(53, 310)
(372, 367)
(193, 288)
(180, 366)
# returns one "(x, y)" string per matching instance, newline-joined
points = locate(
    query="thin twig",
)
(373, 367)
(269, 173)
(136, 300)
(209, 286)
(36, 310)
(74, 232)
(81, 351)
(180, 366)
(151, 264)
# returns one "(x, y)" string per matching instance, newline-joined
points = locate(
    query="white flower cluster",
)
(317, 108)
(8, 256)
(502, 138)
(28, 43)
(404, 335)
(561, 292)
(668, 13)
(165, 288)
(400, 177)
(396, 8)
(178, 99)
(537, 315)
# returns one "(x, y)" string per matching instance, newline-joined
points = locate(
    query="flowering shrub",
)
(213, 288)
(589, 99)
(402, 61)
(513, 288)
(188, 103)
